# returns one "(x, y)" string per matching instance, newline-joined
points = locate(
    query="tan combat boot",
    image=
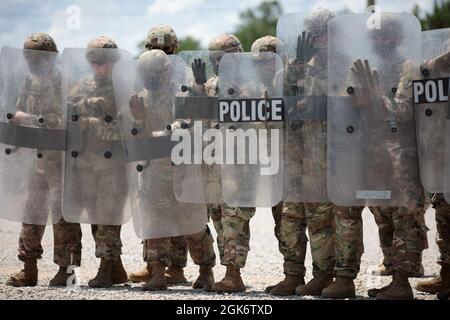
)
(175, 275)
(232, 282)
(315, 286)
(399, 289)
(143, 275)
(28, 277)
(158, 279)
(205, 279)
(61, 277)
(437, 284)
(341, 288)
(103, 277)
(118, 273)
(287, 286)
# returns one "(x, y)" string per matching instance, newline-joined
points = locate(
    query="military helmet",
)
(317, 21)
(40, 41)
(267, 43)
(101, 50)
(225, 42)
(162, 37)
(153, 64)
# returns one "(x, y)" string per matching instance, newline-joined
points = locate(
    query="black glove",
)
(305, 47)
(199, 70)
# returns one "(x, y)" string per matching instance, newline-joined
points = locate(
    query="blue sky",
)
(128, 21)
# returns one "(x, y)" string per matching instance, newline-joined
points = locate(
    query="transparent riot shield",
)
(250, 97)
(95, 184)
(198, 181)
(305, 76)
(431, 114)
(145, 92)
(32, 136)
(372, 154)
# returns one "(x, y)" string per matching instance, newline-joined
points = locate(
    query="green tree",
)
(438, 18)
(258, 22)
(189, 43)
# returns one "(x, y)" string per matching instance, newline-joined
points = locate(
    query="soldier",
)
(163, 37)
(151, 109)
(40, 96)
(408, 232)
(438, 67)
(90, 100)
(231, 224)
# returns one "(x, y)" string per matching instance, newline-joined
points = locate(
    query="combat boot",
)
(372, 293)
(28, 277)
(158, 279)
(175, 275)
(61, 278)
(437, 284)
(315, 286)
(118, 273)
(341, 288)
(287, 286)
(103, 277)
(399, 289)
(143, 275)
(232, 282)
(205, 279)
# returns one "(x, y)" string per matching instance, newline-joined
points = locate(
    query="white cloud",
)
(173, 6)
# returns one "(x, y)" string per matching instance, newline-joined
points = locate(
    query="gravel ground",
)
(264, 265)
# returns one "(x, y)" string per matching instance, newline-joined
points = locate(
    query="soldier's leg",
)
(236, 237)
(383, 219)
(108, 247)
(321, 230)
(30, 249)
(292, 241)
(158, 258)
(408, 244)
(144, 274)
(178, 258)
(442, 282)
(202, 252)
(67, 250)
(215, 213)
(349, 249)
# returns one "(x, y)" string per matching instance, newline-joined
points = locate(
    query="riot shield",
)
(372, 153)
(32, 136)
(198, 181)
(95, 184)
(250, 102)
(149, 84)
(305, 95)
(430, 106)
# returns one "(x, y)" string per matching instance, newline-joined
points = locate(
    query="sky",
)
(72, 23)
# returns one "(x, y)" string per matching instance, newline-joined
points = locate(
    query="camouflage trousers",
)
(295, 218)
(443, 227)
(178, 251)
(403, 236)
(107, 242)
(233, 233)
(200, 247)
(67, 243)
(349, 246)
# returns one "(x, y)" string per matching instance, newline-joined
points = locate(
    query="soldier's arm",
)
(437, 65)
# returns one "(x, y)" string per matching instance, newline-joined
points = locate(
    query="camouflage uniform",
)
(402, 230)
(102, 182)
(232, 224)
(162, 249)
(41, 97)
